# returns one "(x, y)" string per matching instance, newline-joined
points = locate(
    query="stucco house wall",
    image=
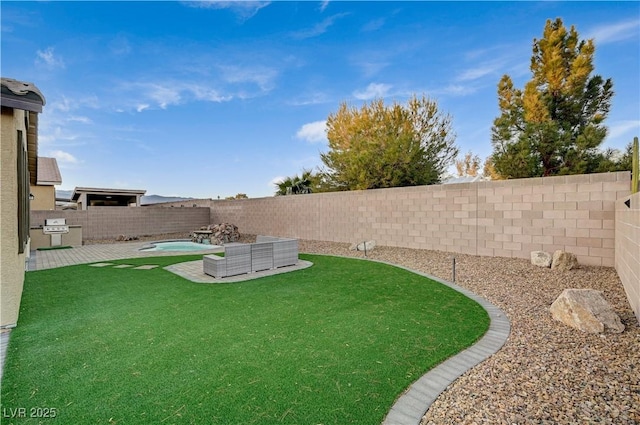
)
(12, 266)
(44, 191)
(20, 104)
(44, 197)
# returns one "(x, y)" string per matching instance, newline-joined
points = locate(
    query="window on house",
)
(23, 194)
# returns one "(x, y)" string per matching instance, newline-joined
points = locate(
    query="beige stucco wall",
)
(12, 264)
(44, 197)
(627, 259)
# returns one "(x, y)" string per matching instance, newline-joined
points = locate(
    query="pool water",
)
(182, 246)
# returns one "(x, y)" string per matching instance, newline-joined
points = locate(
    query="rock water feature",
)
(216, 234)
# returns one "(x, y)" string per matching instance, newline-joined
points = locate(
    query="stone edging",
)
(411, 406)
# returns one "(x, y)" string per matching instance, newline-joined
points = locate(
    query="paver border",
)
(414, 402)
(412, 405)
(193, 271)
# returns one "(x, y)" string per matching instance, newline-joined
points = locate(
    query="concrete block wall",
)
(499, 218)
(109, 222)
(571, 213)
(627, 248)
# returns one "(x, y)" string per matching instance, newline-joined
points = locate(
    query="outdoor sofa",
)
(266, 253)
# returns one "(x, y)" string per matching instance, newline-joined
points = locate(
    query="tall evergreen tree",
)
(555, 125)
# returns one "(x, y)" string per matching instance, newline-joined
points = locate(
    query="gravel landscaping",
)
(546, 373)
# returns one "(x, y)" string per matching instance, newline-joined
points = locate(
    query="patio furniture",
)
(236, 260)
(285, 251)
(267, 253)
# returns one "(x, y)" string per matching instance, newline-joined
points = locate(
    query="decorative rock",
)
(541, 259)
(216, 234)
(564, 261)
(363, 246)
(125, 238)
(586, 310)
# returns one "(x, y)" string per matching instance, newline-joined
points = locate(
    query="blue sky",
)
(208, 99)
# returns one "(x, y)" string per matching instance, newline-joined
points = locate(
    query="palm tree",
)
(297, 185)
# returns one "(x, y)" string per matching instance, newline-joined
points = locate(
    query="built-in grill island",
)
(55, 232)
(55, 227)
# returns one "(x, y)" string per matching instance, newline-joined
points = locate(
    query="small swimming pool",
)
(181, 246)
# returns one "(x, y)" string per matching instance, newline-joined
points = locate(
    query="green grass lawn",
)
(336, 343)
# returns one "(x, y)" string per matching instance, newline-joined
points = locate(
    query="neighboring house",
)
(21, 102)
(43, 193)
(87, 197)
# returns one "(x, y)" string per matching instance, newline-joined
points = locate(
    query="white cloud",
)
(621, 128)
(276, 180)
(63, 157)
(56, 134)
(478, 72)
(261, 76)
(49, 59)
(66, 104)
(310, 99)
(456, 90)
(313, 132)
(373, 90)
(323, 5)
(62, 125)
(206, 93)
(244, 10)
(374, 25)
(371, 68)
(611, 33)
(319, 28)
(80, 119)
(165, 94)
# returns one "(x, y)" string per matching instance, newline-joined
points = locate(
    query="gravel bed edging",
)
(546, 373)
(411, 406)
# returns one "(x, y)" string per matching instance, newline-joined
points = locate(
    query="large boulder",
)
(586, 310)
(564, 261)
(541, 259)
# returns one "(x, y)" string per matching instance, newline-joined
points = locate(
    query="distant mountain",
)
(157, 199)
(64, 194)
(146, 200)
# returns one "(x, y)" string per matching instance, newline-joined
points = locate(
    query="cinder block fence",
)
(500, 218)
(109, 222)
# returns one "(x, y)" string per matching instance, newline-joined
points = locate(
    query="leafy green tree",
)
(555, 125)
(307, 182)
(380, 146)
(611, 160)
(238, 196)
(468, 166)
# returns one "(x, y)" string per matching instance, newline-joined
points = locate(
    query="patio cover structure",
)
(87, 197)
